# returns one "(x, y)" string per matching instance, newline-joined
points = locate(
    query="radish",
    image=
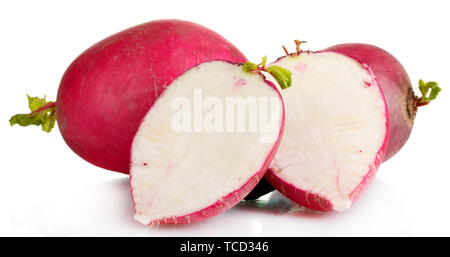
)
(106, 91)
(396, 85)
(183, 170)
(336, 131)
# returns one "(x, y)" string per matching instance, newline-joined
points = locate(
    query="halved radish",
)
(186, 175)
(336, 131)
(393, 80)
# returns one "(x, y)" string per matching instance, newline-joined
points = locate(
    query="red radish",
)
(108, 89)
(186, 176)
(396, 85)
(336, 131)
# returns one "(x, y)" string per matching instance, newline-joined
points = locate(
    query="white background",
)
(45, 189)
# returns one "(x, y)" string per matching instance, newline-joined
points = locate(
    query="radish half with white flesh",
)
(189, 174)
(336, 131)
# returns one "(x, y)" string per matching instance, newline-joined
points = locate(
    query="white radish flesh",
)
(336, 131)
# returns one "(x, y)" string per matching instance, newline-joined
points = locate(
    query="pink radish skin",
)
(166, 201)
(107, 90)
(396, 86)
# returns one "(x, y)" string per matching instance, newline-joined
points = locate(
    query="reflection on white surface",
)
(276, 203)
(106, 209)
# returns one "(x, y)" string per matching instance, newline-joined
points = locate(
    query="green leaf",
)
(425, 87)
(249, 66)
(42, 114)
(49, 123)
(281, 75)
(35, 103)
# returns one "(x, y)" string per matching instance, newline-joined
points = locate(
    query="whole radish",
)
(396, 85)
(107, 90)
